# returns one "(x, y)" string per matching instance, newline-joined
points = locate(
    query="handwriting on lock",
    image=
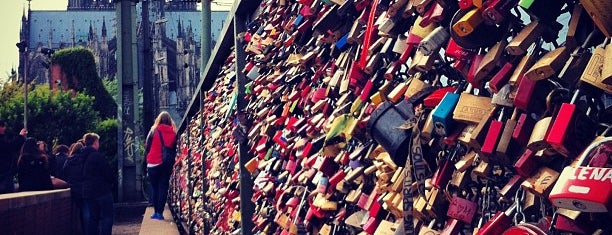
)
(462, 209)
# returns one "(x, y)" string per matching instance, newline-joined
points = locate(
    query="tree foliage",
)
(79, 66)
(53, 116)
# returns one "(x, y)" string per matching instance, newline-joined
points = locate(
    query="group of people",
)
(85, 170)
(80, 167)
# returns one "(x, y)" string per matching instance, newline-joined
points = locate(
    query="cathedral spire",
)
(72, 35)
(190, 31)
(23, 31)
(90, 36)
(50, 34)
(179, 29)
(103, 27)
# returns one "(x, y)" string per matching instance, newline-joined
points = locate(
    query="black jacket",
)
(98, 176)
(33, 174)
(9, 148)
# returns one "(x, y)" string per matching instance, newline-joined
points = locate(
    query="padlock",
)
(507, 147)
(423, 63)
(471, 108)
(541, 129)
(452, 227)
(465, 4)
(460, 179)
(528, 35)
(593, 72)
(457, 52)
(527, 163)
(490, 61)
(584, 188)
(442, 118)
(519, 71)
(577, 64)
(436, 203)
(541, 182)
(483, 169)
(499, 223)
(550, 64)
(489, 146)
(434, 41)
(509, 190)
(573, 221)
(500, 79)
(497, 10)
(578, 23)
(468, 22)
(475, 63)
(395, 7)
(462, 209)
(429, 230)
(467, 161)
(434, 14)
(606, 71)
(571, 130)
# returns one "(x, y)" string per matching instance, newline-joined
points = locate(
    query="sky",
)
(10, 18)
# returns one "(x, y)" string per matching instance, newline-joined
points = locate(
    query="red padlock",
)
(499, 223)
(583, 188)
(462, 209)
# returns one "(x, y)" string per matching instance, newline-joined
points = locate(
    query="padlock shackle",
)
(587, 152)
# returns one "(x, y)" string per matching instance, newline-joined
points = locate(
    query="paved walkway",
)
(152, 226)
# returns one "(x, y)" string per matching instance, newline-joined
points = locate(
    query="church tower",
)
(24, 36)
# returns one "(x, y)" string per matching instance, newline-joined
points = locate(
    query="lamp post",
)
(23, 45)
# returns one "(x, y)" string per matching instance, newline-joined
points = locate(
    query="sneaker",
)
(157, 216)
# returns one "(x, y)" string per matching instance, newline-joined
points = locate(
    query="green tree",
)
(53, 116)
(79, 66)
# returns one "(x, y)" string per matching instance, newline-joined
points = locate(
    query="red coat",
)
(155, 153)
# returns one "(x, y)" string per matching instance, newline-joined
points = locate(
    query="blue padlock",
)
(442, 115)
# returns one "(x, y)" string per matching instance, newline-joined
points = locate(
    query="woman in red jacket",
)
(159, 172)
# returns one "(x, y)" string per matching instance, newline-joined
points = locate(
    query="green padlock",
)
(526, 4)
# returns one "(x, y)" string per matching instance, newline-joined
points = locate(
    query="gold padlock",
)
(471, 108)
(549, 64)
(466, 162)
(606, 72)
(593, 72)
(470, 21)
(491, 60)
(541, 182)
(525, 64)
(528, 35)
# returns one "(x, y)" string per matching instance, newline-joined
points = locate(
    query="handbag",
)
(168, 153)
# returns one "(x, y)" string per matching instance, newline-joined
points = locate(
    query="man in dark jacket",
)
(97, 185)
(9, 149)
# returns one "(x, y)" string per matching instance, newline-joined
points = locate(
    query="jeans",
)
(159, 177)
(98, 215)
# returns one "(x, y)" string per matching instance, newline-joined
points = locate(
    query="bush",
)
(53, 116)
(79, 66)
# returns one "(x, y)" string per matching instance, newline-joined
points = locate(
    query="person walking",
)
(9, 150)
(97, 193)
(33, 168)
(159, 172)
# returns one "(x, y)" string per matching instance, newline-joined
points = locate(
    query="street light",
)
(23, 45)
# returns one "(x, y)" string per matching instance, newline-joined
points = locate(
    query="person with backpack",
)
(98, 178)
(161, 139)
(72, 172)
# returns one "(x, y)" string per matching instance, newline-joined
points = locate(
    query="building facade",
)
(175, 43)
